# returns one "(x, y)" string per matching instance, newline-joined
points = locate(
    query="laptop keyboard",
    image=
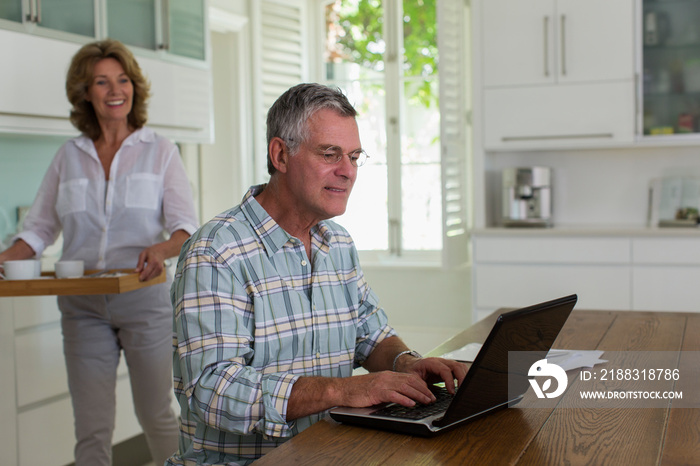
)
(419, 411)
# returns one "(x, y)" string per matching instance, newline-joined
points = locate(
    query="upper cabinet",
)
(54, 19)
(557, 73)
(671, 68)
(175, 26)
(185, 29)
(168, 37)
(539, 42)
(133, 22)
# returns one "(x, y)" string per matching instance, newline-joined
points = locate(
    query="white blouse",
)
(107, 223)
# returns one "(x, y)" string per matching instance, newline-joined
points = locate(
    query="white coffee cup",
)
(22, 269)
(69, 269)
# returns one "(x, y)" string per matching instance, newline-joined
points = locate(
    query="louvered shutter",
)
(280, 60)
(452, 27)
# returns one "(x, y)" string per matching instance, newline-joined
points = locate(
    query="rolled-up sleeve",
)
(373, 325)
(178, 208)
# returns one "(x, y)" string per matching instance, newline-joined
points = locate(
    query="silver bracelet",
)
(396, 358)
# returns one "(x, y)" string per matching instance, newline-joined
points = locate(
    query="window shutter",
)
(280, 61)
(453, 73)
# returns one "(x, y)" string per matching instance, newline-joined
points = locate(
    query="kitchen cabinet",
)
(31, 353)
(666, 273)
(647, 270)
(176, 26)
(186, 28)
(671, 68)
(53, 19)
(562, 71)
(33, 99)
(11, 11)
(133, 22)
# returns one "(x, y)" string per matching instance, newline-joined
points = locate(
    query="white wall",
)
(595, 187)
(425, 305)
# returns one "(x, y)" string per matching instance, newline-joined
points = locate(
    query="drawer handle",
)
(557, 137)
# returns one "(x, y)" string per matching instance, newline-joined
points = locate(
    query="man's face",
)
(322, 189)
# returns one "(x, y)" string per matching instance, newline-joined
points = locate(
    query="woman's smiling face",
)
(111, 91)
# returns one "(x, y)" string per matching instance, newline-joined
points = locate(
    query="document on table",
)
(566, 359)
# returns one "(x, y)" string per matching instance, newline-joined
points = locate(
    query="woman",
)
(120, 195)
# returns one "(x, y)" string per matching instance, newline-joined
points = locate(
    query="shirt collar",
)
(140, 135)
(271, 234)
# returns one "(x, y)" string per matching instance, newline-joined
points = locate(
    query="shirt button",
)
(303, 263)
(318, 355)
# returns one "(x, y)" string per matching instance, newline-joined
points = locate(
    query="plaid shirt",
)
(252, 316)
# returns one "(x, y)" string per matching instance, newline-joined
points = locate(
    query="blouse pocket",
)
(72, 196)
(143, 191)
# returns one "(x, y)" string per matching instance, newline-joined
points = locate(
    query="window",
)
(390, 74)
(384, 54)
(410, 197)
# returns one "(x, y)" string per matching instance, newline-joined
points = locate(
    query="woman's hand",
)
(152, 259)
(18, 251)
(151, 262)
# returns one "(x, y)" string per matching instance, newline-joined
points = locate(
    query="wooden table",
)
(601, 436)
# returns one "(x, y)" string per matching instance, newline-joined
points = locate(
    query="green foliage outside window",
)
(360, 40)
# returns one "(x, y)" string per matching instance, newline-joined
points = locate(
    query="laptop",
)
(485, 388)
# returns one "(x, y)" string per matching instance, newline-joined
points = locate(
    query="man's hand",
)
(314, 394)
(434, 370)
(384, 387)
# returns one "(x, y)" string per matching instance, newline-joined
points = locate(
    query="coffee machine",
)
(527, 197)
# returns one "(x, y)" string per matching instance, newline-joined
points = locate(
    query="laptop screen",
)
(533, 330)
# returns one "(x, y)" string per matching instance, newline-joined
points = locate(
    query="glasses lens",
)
(332, 156)
(360, 158)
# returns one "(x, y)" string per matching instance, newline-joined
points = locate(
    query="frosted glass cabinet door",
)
(186, 28)
(75, 16)
(12, 10)
(132, 22)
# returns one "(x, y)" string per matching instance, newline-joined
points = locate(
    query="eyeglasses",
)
(334, 154)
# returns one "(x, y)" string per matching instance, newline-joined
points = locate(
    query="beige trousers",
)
(96, 330)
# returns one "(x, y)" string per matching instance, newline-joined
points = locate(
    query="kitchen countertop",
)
(590, 230)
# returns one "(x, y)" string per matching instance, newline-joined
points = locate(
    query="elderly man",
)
(272, 310)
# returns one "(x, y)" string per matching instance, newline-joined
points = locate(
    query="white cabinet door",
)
(41, 369)
(666, 288)
(33, 99)
(518, 42)
(516, 285)
(548, 41)
(577, 115)
(595, 40)
(53, 425)
(558, 73)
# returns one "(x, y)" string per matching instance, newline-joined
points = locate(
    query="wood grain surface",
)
(49, 285)
(567, 434)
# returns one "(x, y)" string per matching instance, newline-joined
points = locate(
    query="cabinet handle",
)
(546, 48)
(31, 16)
(557, 137)
(563, 45)
(165, 26)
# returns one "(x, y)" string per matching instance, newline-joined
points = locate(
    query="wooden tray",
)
(49, 285)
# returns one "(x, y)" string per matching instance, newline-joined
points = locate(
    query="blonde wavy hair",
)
(79, 78)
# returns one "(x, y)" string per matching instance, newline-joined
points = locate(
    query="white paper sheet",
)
(566, 359)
